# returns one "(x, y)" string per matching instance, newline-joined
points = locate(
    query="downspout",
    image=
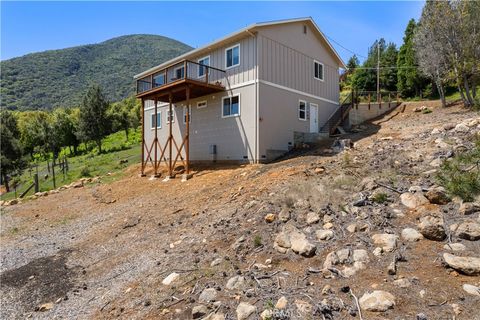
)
(256, 149)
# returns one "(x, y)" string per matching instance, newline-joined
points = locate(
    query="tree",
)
(11, 151)
(388, 72)
(35, 132)
(94, 123)
(409, 80)
(365, 78)
(64, 127)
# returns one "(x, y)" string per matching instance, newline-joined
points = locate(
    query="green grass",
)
(115, 148)
(455, 96)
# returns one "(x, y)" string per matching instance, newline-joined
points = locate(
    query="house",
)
(247, 97)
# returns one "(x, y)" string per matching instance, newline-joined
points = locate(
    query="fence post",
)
(53, 173)
(66, 163)
(35, 180)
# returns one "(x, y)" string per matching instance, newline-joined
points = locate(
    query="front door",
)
(313, 117)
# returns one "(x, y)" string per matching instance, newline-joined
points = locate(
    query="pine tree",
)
(94, 123)
(410, 81)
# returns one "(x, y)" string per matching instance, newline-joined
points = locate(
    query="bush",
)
(257, 241)
(461, 176)
(85, 172)
(380, 197)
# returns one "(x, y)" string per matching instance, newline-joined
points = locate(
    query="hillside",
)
(54, 78)
(298, 239)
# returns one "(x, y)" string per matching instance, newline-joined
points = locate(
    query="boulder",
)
(284, 215)
(312, 217)
(236, 283)
(412, 235)
(324, 234)
(245, 310)
(454, 247)
(377, 301)
(469, 208)
(471, 289)
(437, 196)
(431, 227)
(208, 295)
(292, 238)
(461, 128)
(387, 241)
(468, 230)
(413, 200)
(467, 265)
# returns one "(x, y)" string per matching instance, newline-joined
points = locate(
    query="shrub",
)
(380, 197)
(461, 176)
(257, 241)
(85, 172)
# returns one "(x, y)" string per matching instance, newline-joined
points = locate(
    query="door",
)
(313, 117)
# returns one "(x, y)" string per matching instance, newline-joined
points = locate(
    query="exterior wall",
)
(286, 57)
(362, 112)
(278, 111)
(234, 137)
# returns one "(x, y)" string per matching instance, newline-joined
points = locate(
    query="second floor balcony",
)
(173, 80)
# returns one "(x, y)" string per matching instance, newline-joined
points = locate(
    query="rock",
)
(454, 247)
(327, 290)
(199, 311)
(461, 128)
(471, 289)
(216, 262)
(342, 144)
(324, 234)
(437, 196)
(303, 308)
(292, 238)
(238, 243)
(208, 295)
(377, 252)
(281, 303)
(412, 235)
(421, 316)
(431, 227)
(284, 215)
(360, 255)
(467, 265)
(269, 218)
(170, 278)
(312, 217)
(387, 241)
(468, 230)
(267, 314)
(352, 227)
(319, 170)
(377, 301)
(328, 225)
(353, 261)
(469, 208)
(245, 310)
(413, 200)
(392, 268)
(46, 306)
(402, 283)
(236, 283)
(77, 184)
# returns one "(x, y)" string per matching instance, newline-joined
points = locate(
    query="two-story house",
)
(241, 98)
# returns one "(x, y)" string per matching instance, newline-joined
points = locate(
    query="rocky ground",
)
(326, 234)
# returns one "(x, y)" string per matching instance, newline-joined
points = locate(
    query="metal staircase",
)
(339, 116)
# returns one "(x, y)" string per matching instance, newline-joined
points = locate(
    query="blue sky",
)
(37, 26)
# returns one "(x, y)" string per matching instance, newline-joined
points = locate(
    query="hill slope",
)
(59, 77)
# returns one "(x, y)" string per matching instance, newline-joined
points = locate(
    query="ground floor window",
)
(302, 110)
(201, 104)
(231, 106)
(185, 114)
(159, 120)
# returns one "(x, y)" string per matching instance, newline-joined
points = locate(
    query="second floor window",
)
(318, 70)
(159, 79)
(179, 73)
(232, 56)
(203, 62)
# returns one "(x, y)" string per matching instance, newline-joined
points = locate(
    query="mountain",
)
(48, 79)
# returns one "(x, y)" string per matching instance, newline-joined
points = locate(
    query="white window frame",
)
(315, 62)
(239, 56)
(200, 66)
(239, 106)
(175, 72)
(159, 124)
(185, 115)
(305, 110)
(202, 102)
(167, 117)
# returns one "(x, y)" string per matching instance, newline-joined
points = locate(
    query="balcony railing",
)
(179, 72)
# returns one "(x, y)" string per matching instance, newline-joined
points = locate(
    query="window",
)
(201, 104)
(185, 114)
(179, 72)
(203, 62)
(302, 110)
(231, 106)
(318, 70)
(232, 56)
(159, 120)
(170, 117)
(159, 79)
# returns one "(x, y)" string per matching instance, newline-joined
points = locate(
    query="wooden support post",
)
(155, 141)
(380, 101)
(35, 181)
(170, 136)
(369, 99)
(187, 134)
(53, 173)
(389, 100)
(142, 171)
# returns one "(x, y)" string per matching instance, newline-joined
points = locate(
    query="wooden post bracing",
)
(170, 136)
(142, 171)
(187, 134)
(155, 141)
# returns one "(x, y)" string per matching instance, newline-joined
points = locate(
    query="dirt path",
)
(102, 251)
